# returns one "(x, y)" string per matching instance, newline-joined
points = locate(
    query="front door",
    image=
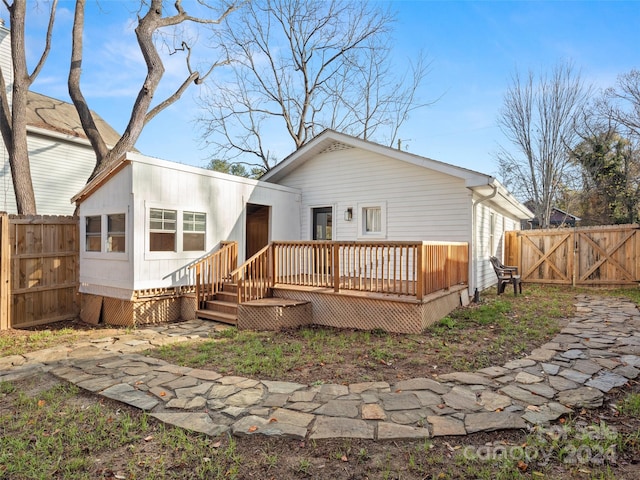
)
(322, 223)
(322, 230)
(257, 228)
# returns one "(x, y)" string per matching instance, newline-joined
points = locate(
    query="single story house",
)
(375, 192)
(342, 226)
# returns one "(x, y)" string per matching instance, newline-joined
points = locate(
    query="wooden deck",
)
(398, 286)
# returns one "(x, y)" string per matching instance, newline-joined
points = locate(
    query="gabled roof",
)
(53, 115)
(482, 184)
(566, 214)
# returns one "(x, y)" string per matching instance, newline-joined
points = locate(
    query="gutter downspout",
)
(474, 222)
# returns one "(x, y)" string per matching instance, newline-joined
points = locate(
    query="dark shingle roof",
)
(59, 116)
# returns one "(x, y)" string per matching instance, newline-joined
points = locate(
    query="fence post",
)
(5, 273)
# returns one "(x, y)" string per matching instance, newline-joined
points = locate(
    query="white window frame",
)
(193, 224)
(334, 223)
(175, 231)
(360, 215)
(179, 253)
(104, 253)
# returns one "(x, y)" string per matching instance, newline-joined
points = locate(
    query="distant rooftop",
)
(59, 116)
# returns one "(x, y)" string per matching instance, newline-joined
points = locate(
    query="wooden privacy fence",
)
(399, 268)
(39, 269)
(584, 256)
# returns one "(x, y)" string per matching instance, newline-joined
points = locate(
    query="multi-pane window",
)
(162, 230)
(116, 232)
(93, 232)
(372, 218)
(193, 231)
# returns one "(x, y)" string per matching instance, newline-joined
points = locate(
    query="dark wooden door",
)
(257, 228)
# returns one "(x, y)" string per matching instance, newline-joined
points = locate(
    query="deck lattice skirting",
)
(369, 313)
(146, 307)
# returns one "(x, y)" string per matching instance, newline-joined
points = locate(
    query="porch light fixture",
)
(348, 214)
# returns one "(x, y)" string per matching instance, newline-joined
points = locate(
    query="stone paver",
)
(599, 350)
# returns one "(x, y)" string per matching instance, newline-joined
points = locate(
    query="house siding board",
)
(5, 59)
(421, 204)
(105, 274)
(59, 169)
(222, 198)
(485, 275)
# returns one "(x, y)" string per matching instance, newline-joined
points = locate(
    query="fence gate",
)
(585, 256)
(39, 269)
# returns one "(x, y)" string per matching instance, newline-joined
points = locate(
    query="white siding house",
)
(143, 221)
(378, 193)
(60, 156)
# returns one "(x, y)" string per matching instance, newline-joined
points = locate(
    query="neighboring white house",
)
(353, 189)
(143, 221)
(61, 157)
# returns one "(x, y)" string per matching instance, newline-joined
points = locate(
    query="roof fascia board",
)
(99, 180)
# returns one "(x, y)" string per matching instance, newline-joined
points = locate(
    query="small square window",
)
(162, 230)
(372, 218)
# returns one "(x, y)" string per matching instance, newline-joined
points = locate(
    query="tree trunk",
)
(18, 149)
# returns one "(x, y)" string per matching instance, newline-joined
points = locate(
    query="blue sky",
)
(474, 48)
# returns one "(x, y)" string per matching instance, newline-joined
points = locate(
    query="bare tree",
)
(152, 19)
(622, 102)
(13, 110)
(302, 66)
(539, 117)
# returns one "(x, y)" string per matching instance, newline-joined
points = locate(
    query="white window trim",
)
(103, 254)
(178, 253)
(360, 218)
(203, 233)
(334, 226)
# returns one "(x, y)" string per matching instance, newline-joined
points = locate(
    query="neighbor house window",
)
(193, 231)
(115, 233)
(162, 230)
(372, 218)
(93, 233)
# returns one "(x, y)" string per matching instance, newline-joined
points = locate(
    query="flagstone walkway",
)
(597, 351)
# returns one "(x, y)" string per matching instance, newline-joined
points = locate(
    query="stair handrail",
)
(213, 270)
(255, 276)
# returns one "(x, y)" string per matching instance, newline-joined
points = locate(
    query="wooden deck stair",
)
(224, 307)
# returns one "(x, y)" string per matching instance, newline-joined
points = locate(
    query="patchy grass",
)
(57, 432)
(497, 329)
(16, 343)
(49, 429)
(630, 405)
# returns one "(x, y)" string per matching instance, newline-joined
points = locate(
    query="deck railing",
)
(398, 268)
(213, 270)
(255, 276)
